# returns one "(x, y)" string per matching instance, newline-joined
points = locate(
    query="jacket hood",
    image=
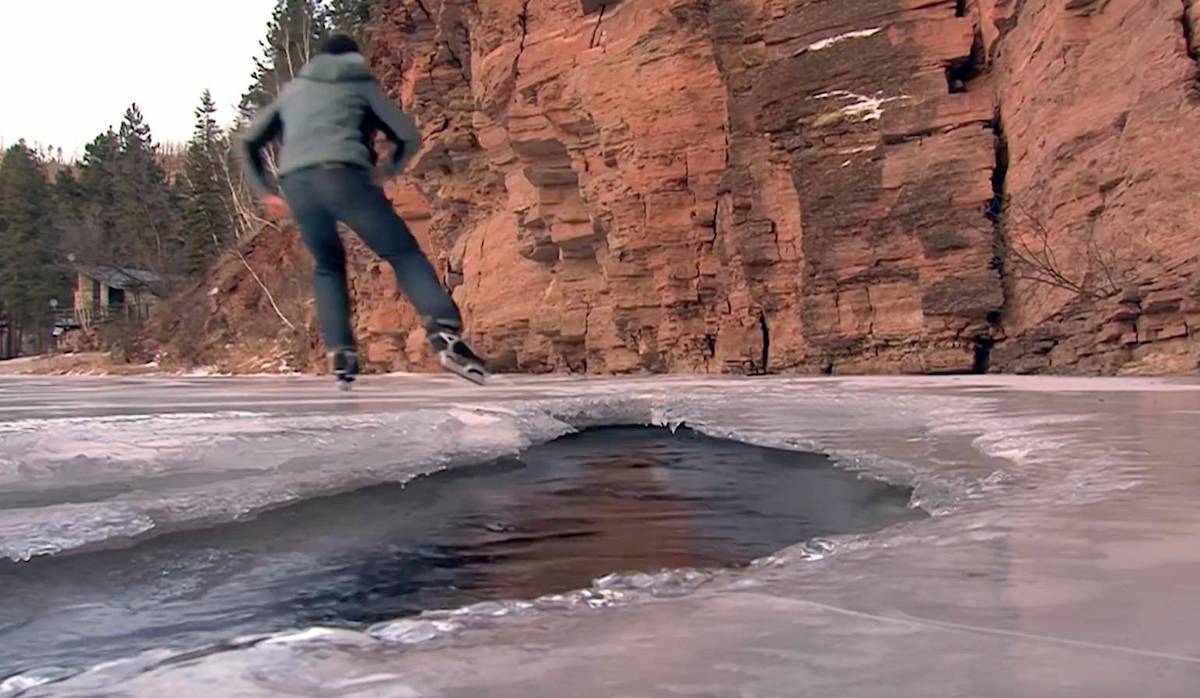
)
(346, 67)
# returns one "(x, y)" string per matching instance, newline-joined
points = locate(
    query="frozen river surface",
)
(1060, 554)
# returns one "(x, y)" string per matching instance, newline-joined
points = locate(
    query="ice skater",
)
(326, 120)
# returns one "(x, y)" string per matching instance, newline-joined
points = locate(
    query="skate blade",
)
(344, 381)
(476, 375)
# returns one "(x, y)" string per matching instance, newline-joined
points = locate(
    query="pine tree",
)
(69, 214)
(30, 271)
(146, 217)
(96, 238)
(205, 214)
(295, 29)
(67, 190)
(349, 16)
(292, 35)
(122, 212)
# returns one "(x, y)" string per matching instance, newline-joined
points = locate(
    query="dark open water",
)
(553, 520)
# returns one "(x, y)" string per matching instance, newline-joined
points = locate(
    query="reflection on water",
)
(552, 520)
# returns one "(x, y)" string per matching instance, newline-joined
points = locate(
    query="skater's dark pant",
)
(320, 197)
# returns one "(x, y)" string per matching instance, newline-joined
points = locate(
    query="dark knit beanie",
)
(337, 44)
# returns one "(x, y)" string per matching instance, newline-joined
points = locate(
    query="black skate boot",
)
(344, 365)
(456, 356)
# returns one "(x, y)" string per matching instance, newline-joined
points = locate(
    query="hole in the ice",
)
(552, 520)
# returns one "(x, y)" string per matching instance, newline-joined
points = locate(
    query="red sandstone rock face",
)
(1100, 110)
(798, 185)
(696, 186)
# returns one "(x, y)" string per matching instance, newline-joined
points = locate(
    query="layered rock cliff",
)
(782, 185)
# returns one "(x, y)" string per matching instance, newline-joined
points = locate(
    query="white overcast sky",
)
(69, 68)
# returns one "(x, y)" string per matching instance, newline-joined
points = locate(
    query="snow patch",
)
(826, 43)
(862, 107)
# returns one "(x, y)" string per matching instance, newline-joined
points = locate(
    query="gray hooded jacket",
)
(328, 116)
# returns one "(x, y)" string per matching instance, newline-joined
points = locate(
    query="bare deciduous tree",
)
(1030, 252)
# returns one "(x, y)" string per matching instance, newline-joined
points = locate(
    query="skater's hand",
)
(276, 207)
